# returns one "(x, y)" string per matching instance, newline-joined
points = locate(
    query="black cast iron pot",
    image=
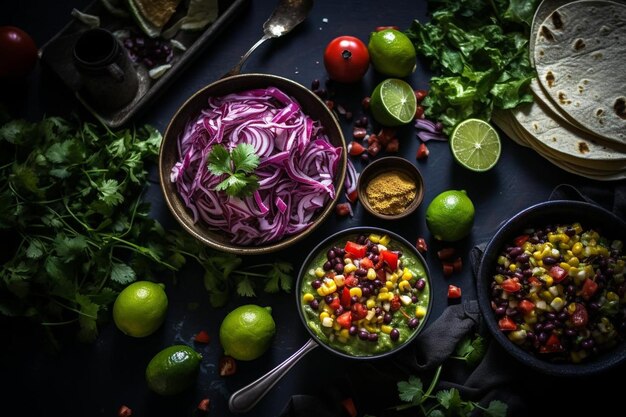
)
(540, 215)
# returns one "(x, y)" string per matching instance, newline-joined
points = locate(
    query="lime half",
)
(475, 144)
(393, 102)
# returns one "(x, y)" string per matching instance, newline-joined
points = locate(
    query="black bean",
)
(548, 327)
(420, 284)
(316, 284)
(569, 332)
(365, 291)
(363, 335)
(542, 337)
(327, 266)
(414, 299)
(378, 283)
(331, 254)
(587, 344)
(314, 304)
(515, 252)
(523, 258)
(394, 334)
(373, 337)
(339, 311)
(549, 260)
(339, 268)
(329, 298)
(353, 330)
(387, 318)
(413, 323)
(500, 311)
(360, 240)
(361, 272)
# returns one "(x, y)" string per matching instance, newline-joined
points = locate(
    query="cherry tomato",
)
(18, 52)
(346, 59)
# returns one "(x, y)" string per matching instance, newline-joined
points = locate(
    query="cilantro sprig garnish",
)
(238, 166)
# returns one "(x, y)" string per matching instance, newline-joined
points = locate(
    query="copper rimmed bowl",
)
(191, 109)
(542, 215)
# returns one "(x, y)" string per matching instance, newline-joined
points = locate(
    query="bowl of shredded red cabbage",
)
(252, 163)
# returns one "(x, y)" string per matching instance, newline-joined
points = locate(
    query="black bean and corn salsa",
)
(559, 292)
(365, 295)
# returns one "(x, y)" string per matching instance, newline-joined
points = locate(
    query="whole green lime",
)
(247, 332)
(392, 53)
(173, 370)
(450, 215)
(139, 310)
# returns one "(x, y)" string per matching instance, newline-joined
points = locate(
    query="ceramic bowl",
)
(169, 155)
(386, 165)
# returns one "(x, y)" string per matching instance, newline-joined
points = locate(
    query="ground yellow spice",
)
(391, 192)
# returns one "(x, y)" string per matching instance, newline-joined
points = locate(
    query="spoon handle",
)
(247, 397)
(237, 68)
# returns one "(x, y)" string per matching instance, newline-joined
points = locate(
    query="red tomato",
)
(391, 258)
(558, 273)
(346, 59)
(355, 249)
(526, 307)
(506, 324)
(511, 285)
(345, 319)
(589, 288)
(454, 291)
(18, 52)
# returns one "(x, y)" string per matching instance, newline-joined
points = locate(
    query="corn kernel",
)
(420, 312)
(370, 315)
(374, 238)
(557, 304)
(404, 286)
(547, 279)
(577, 248)
(344, 333)
(324, 315)
(339, 280)
(308, 297)
(319, 272)
(390, 285)
(611, 296)
(384, 240)
(512, 267)
(383, 289)
(517, 336)
(385, 296)
(370, 328)
(370, 303)
(356, 292)
(392, 277)
(349, 268)
(336, 326)
(371, 274)
(406, 274)
(327, 322)
(406, 300)
(386, 328)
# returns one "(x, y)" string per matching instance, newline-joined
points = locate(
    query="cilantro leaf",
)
(245, 288)
(87, 318)
(411, 391)
(238, 166)
(471, 350)
(279, 277)
(122, 273)
(109, 192)
(449, 399)
(496, 409)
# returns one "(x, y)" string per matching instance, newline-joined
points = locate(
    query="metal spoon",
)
(287, 15)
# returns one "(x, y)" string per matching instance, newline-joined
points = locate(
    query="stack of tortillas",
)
(578, 118)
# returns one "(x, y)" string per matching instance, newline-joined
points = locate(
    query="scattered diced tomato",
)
(506, 324)
(420, 95)
(395, 303)
(202, 337)
(335, 303)
(355, 249)
(203, 405)
(343, 209)
(353, 196)
(349, 406)
(366, 263)
(454, 292)
(227, 366)
(345, 297)
(421, 245)
(373, 148)
(355, 148)
(351, 281)
(446, 253)
(457, 265)
(579, 317)
(558, 273)
(526, 306)
(552, 345)
(391, 258)
(511, 285)
(386, 134)
(419, 111)
(422, 151)
(589, 288)
(448, 269)
(358, 311)
(124, 411)
(534, 281)
(393, 146)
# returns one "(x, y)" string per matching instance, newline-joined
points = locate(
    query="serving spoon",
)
(287, 15)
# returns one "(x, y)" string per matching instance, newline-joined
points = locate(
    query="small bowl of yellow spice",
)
(390, 188)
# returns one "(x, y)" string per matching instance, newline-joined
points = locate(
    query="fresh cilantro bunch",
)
(77, 230)
(444, 402)
(238, 166)
(478, 51)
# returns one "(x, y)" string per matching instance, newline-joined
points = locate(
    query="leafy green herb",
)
(444, 402)
(71, 207)
(471, 350)
(238, 166)
(478, 50)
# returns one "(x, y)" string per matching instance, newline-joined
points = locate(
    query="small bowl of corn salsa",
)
(552, 287)
(364, 292)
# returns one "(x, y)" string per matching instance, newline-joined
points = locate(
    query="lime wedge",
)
(475, 144)
(393, 102)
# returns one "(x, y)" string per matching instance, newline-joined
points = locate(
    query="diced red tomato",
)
(589, 288)
(520, 240)
(358, 311)
(445, 253)
(343, 209)
(526, 306)
(534, 281)
(124, 411)
(335, 303)
(355, 249)
(353, 196)
(345, 319)
(421, 245)
(203, 405)
(227, 366)
(355, 148)
(420, 95)
(345, 297)
(391, 258)
(458, 265)
(349, 406)
(419, 111)
(454, 292)
(351, 281)
(422, 151)
(395, 303)
(202, 337)
(448, 269)
(553, 344)
(366, 263)
(506, 324)
(558, 273)
(511, 285)
(579, 317)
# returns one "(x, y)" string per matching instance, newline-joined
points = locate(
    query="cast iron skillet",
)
(247, 397)
(551, 212)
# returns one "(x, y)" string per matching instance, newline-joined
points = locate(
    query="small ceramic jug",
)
(108, 77)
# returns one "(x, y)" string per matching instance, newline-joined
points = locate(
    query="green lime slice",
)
(393, 102)
(476, 145)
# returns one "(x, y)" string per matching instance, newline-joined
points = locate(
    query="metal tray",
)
(56, 54)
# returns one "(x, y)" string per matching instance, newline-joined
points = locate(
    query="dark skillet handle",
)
(247, 397)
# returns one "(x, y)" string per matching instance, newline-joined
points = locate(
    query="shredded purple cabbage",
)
(297, 167)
